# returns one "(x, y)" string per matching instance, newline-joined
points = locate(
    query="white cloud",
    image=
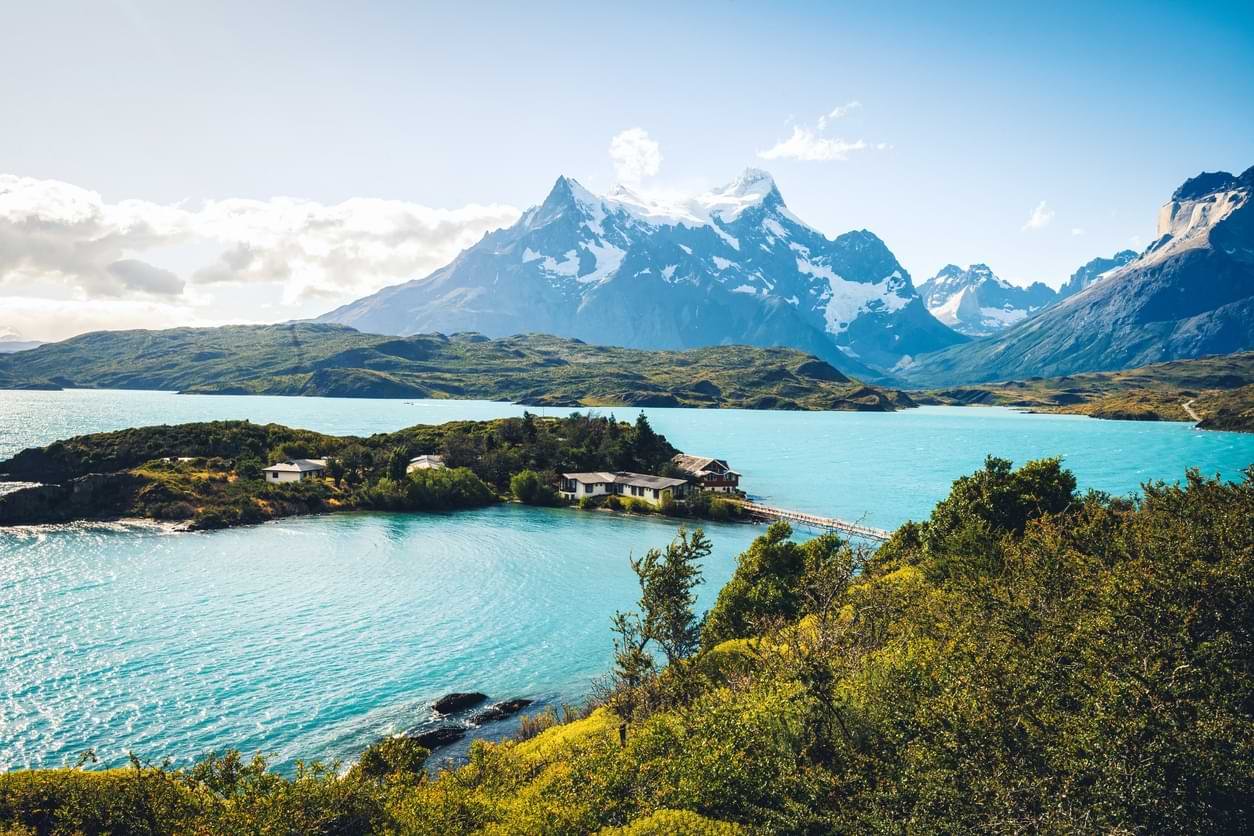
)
(57, 319)
(1077, 231)
(635, 155)
(839, 112)
(1040, 217)
(66, 244)
(805, 144)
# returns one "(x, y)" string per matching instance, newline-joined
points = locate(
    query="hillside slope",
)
(1217, 390)
(333, 360)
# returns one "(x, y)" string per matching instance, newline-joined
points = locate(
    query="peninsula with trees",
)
(225, 473)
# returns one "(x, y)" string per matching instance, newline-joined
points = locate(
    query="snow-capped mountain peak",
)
(977, 302)
(635, 268)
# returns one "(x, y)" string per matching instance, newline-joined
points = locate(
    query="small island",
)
(226, 473)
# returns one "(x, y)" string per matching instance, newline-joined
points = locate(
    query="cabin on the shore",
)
(709, 474)
(296, 470)
(651, 489)
(425, 462)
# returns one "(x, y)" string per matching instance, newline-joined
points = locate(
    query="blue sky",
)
(972, 116)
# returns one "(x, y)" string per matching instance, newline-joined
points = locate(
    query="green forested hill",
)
(334, 360)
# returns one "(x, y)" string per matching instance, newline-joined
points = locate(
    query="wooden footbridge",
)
(767, 512)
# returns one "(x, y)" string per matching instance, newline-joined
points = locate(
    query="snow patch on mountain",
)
(732, 264)
(977, 302)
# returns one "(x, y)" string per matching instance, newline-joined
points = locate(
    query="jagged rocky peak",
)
(1212, 182)
(977, 302)
(1094, 271)
(728, 265)
(1196, 208)
(752, 182)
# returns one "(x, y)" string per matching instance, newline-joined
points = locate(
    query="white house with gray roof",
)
(651, 489)
(296, 470)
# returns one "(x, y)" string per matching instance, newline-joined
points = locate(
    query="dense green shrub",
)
(392, 758)
(427, 490)
(771, 582)
(531, 488)
(220, 795)
(704, 505)
(249, 467)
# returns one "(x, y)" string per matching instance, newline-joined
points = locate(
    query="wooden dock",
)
(767, 512)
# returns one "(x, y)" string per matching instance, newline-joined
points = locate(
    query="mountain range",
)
(977, 303)
(1190, 294)
(734, 266)
(731, 266)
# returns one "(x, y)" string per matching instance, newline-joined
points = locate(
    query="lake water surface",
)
(312, 637)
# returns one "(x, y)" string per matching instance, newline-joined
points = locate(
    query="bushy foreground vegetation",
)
(1028, 659)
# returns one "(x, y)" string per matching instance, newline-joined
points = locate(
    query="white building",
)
(652, 489)
(296, 470)
(425, 462)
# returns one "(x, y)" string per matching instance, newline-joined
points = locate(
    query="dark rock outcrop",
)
(442, 736)
(458, 700)
(500, 710)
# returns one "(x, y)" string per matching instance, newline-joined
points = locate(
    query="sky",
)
(178, 163)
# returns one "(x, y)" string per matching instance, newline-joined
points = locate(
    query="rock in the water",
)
(500, 711)
(442, 736)
(456, 701)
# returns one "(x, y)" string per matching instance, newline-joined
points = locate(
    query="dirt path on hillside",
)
(1188, 407)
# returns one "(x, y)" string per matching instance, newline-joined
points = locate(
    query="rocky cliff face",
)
(1189, 294)
(1093, 272)
(734, 265)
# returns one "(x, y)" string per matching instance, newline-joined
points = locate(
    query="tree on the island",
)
(398, 463)
(459, 449)
(531, 488)
(649, 449)
(335, 469)
(249, 467)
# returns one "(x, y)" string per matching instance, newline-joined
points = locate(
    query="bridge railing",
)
(830, 523)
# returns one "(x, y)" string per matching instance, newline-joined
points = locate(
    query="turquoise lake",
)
(312, 637)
